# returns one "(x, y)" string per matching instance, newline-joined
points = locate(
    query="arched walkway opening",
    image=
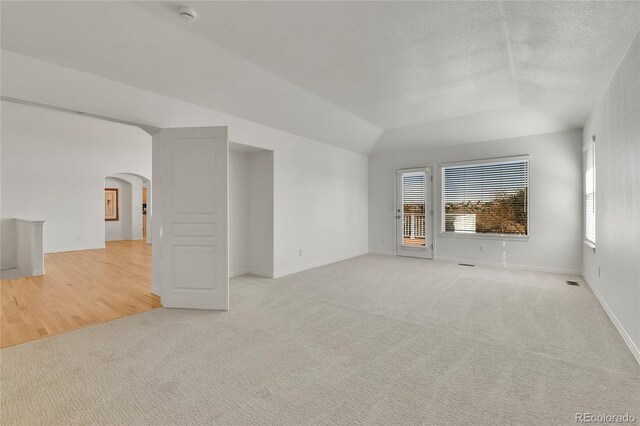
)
(127, 207)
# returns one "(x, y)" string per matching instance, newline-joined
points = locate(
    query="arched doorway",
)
(132, 219)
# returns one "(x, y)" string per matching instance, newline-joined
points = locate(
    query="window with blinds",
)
(414, 198)
(590, 193)
(489, 197)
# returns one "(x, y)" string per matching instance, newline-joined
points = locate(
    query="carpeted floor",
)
(371, 340)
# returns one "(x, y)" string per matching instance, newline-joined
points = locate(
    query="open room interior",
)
(132, 206)
(95, 268)
(319, 212)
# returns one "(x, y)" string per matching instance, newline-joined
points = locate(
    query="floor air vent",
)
(465, 264)
(572, 283)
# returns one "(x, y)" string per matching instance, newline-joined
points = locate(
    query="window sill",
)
(504, 237)
(589, 244)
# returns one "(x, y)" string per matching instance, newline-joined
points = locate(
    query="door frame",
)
(431, 185)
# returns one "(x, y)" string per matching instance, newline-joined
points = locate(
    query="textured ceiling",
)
(420, 70)
(392, 63)
(122, 42)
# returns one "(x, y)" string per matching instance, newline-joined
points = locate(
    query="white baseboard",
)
(9, 273)
(625, 336)
(494, 264)
(251, 271)
(156, 291)
(67, 249)
(511, 266)
(15, 273)
(238, 272)
(317, 264)
(258, 272)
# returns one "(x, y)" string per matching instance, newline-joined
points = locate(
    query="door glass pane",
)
(414, 187)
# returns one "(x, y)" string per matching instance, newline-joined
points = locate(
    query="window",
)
(414, 199)
(487, 197)
(590, 194)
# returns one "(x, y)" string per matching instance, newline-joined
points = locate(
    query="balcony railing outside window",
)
(414, 228)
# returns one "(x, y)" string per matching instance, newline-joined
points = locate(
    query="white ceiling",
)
(124, 43)
(419, 70)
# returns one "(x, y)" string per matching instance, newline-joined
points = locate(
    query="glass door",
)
(414, 213)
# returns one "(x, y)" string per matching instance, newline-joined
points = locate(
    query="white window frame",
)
(480, 235)
(591, 146)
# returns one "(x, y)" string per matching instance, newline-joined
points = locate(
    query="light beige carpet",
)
(371, 340)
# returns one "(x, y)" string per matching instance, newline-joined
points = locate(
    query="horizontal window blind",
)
(414, 197)
(590, 193)
(414, 188)
(486, 198)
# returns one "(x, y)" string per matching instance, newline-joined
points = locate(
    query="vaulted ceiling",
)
(391, 74)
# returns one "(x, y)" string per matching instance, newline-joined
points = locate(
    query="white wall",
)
(261, 242)
(129, 227)
(616, 124)
(135, 203)
(53, 168)
(555, 202)
(320, 206)
(320, 191)
(238, 213)
(116, 230)
(251, 213)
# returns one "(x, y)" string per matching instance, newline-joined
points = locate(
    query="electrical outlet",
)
(299, 252)
(483, 248)
(77, 237)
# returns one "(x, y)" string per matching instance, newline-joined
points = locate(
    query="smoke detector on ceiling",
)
(188, 13)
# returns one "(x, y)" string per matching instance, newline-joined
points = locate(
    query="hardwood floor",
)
(80, 288)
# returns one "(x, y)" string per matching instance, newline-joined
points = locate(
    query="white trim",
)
(493, 160)
(279, 274)
(259, 273)
(68, 249)
(245, 271)
(510, 266)
(238, 272)
(625, 336)
(9, 273)
(586, 148)
(411, 169)
(157, 292)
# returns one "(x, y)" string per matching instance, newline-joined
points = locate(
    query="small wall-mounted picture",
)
(111, 204)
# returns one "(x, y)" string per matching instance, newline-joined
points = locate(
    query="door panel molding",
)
(190, 224)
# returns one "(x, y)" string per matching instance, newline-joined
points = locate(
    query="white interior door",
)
(190, 220)
(414, 213)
